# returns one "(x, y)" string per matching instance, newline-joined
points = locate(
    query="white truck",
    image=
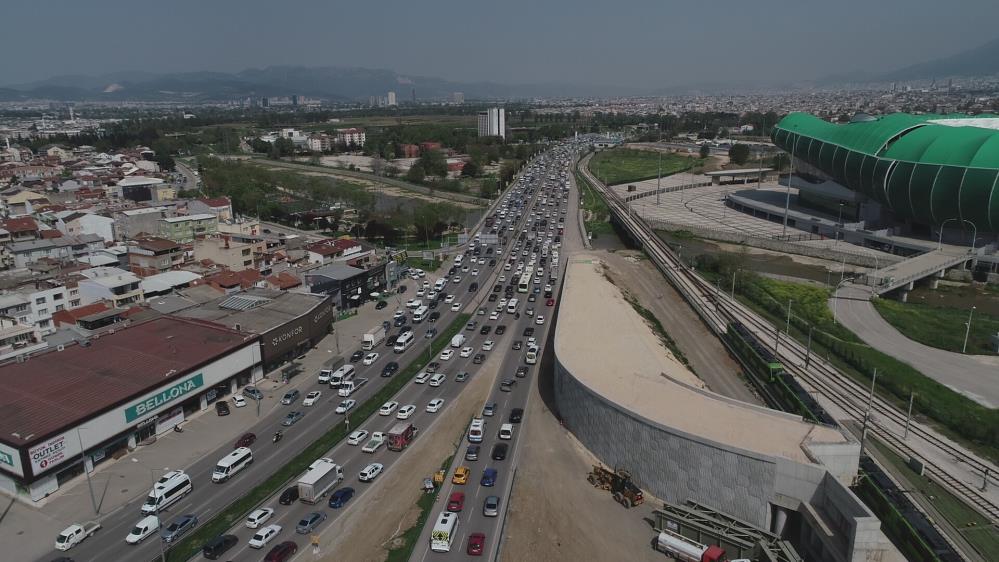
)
(75, 534)
(350, 387)
(458, 341)
(328, 368)
(377, 440)
(372, 338)
(315, 483)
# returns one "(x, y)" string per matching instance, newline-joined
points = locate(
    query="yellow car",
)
(461, 475)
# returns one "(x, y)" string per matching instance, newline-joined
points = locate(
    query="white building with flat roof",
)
(492, 122)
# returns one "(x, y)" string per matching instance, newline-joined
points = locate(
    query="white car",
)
(414, 303)
(370, 358)
(238, 401)
(420, 293)
(387, 408)
(447, 354)
(507, 266)
(494, 315)
(370, 472)
(502, 278)
(456, 307)
(405, 412)
(264, 536)
(312, 397)
(488, 345)
(438, 379)
(539, 320)
(357, 436)
(398, 314)
(466, 351)
(422, 377)
(345, 406)
(259, 517)
(548, 287)
(482, 261)
(145, 527)
(464, 269)
(449, 299)
(502, 303)
(475, 273)
(435, 405)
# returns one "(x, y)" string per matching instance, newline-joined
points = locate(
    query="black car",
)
(493, 297)
(528, 331)
(216, 547)
(390, 341)
(433, 304)
(471, 325)
(478, 359)
(485, 330)
(402, 289)
(473, 287)
(380, 305)
(521, 371)
(399, 321)
(222, 408)
(516, 415)
(499, 451)
(430, 333)
(548, 294)
(390, 369)
(451, 271)
(356, 356)
(492, 262)
(472, 452)
(289, 496)
(433, 316)
(500, 330)
(532, 297)
(497, 288)
(518, 344)
(508, 384)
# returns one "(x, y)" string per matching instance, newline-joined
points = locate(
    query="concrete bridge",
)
(903, 275)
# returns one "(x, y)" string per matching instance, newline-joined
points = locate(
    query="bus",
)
(404, 342)
(420, 314)
(170, 488)
(231, 464)
(511, 306)
(525, 282)
(445, 530)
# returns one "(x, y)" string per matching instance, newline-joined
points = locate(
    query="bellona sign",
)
(165, 396)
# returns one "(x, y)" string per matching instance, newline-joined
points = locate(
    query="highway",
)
(472, 518)
(208, 499)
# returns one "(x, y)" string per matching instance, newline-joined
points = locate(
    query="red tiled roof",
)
(56, 390)
(72, 315)
(20, 224)
(245, 278)
(216, 201)
(284, 280)
(52, 233)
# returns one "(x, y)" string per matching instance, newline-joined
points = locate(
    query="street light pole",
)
(967, 330)
(788, 329)
(867, 414)
(152, 484)
(808, 350)
(83, 457)
(839, 223)
(787, 198)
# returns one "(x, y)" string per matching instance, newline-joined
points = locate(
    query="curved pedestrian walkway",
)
(974, 376)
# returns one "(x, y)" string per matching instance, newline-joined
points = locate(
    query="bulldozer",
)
(618, 482)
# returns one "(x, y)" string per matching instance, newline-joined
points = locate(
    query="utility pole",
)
(788, 329)
(967, 330)
(867, 414)
(908, 416)
(787, 199)
(83, 457)
(659, 173)
(808, 350)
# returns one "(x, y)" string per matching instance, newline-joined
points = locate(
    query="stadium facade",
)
(926, 169)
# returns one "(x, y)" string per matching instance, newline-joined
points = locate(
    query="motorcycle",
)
(178, 429)
(277, 437)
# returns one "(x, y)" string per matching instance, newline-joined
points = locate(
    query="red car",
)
(282, 552)
(550, 302)
(476, 544)
(456, 502)
(246, 440)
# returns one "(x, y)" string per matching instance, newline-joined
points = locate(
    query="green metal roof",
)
(919, 168)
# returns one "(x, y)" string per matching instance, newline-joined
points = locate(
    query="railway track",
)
(717, 309)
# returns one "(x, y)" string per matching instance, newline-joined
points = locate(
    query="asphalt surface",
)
(472, 518)
(207, 498)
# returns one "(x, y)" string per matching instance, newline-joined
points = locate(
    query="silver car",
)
(178, 527)
(310, 522)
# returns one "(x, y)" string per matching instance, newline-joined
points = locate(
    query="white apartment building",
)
(34, 303)
(391, 99)
(117, 287)
(352, 136)
(492, 123)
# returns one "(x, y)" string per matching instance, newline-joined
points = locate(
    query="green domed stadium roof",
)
(929, 168)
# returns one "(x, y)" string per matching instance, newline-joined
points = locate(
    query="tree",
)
(470, 170)
(739, 153)
(433, 163)
(377, 165)
(416, 173)
(489, 188)
(705, 151)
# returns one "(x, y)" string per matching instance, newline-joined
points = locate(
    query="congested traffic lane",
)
(473, 517)
(207, 498)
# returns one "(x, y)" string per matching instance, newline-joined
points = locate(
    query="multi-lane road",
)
(208, 499)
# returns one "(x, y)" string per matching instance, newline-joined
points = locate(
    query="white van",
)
(458, 340)
(343, 374)
(168, 490)
(232, 463)
(511, 305)
(476, 430)
(506, 431)
(420, 314)
(404, 341)
(458, 259)
(145, 527)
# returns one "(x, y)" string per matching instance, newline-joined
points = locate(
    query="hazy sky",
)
(641, 43)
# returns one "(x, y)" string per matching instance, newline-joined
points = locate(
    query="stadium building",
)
(920, 172)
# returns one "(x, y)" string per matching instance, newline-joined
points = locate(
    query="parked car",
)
(312, 397)
(282, 552)
(488, 477)
(253, 392)
(489, 409)
(461, 475)
(222, 408)
(390, 369)
(516, 415)
(472, 452)
(476, 544)
(357, 437)
(456, 502)
(216, 547)
(292, 418)
(490, 507)
(264, 536)
(238, 401)
(310, 522)
(370, 472)
(259, 517)
(499, 451)
(462, 376)
(358, 355)
(405, 412)
(178, 527)
(290, 397)
(380, 305)
(289, 496)
(435, 405)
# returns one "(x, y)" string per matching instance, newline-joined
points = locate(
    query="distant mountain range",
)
(979, 61)
(334, 83)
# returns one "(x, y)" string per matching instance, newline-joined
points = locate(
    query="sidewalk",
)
(118, 482)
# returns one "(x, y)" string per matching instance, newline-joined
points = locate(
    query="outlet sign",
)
(165, 396)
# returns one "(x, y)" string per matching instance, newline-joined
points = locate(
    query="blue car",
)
(341, 497)
(488, 477)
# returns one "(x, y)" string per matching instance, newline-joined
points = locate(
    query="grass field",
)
(410, 535)
(974, 527)
(595, 210)
(622, 165)
(939, 327)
